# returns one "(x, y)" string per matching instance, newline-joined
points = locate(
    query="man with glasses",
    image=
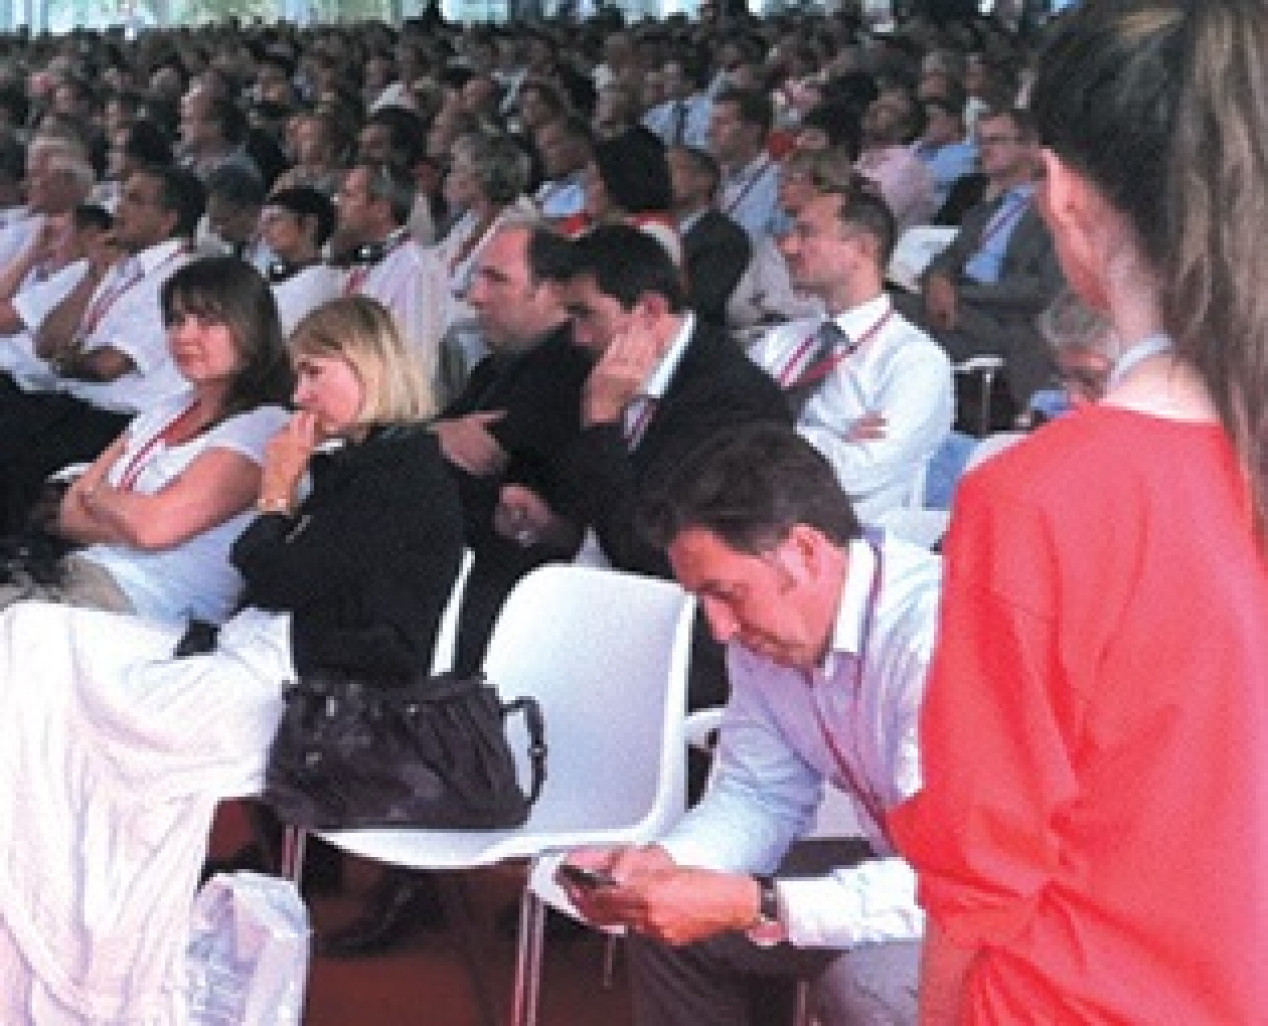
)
(983, 293)
(373, 206)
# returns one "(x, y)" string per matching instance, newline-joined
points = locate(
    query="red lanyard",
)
(862, 790)
(819, 370)
(107, 298)
(127, 480)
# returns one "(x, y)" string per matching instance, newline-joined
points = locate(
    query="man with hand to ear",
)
(828, 634)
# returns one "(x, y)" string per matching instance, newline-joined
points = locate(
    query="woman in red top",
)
(1092, 837)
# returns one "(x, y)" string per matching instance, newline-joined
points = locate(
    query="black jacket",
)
(367, 562)
(716, 253)
(715, 388)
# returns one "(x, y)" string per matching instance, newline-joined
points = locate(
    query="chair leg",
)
(610, 944)
(528, 959)
(803, 1014)
(454, 899)
(294, 841)
(988, 383)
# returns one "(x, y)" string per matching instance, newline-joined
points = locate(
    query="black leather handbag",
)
(432, 752)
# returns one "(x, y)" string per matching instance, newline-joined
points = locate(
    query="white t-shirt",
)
(304, 291)
(194, 578)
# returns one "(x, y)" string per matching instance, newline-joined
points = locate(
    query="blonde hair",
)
(361, 332)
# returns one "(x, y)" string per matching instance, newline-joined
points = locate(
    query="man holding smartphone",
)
(828, 635)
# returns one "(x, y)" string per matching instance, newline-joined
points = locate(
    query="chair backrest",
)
(605, 654)
(836, 815)
(445, 647)
(992, 445)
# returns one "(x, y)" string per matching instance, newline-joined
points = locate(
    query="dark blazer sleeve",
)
(715, 388)
(366, 565)
(1030, 275)
(951, 260)
(717, 252)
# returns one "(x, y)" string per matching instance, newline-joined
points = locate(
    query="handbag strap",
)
(536, 725)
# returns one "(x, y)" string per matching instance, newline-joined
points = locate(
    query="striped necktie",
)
(805, 371)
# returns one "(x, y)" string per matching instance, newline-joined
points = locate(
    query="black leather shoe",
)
(400, 905)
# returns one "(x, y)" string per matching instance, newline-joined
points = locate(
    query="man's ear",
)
(650, 307)
(801, 553)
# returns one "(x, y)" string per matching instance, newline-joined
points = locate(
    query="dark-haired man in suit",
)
(715, 249)
(663, 382)
(983, 293)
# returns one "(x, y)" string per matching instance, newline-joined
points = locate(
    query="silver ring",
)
(525, 536)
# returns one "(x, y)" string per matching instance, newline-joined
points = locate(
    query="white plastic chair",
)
(915, 522)
(444, 650)
(992, 445)
(445, 647)
(605, 654)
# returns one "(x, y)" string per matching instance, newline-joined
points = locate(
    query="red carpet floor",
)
(425, 981)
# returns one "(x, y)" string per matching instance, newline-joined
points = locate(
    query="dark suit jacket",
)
(1000, 317)
(715, 387)
(716, 252)
(539, 390)
(367, 563)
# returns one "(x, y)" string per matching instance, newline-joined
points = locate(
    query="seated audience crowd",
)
(624, 295)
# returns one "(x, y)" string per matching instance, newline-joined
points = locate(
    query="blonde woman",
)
(115, 754)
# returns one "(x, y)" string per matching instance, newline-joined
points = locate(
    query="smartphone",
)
(580, 876)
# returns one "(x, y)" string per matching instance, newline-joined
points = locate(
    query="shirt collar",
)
(1021, 192)
(847, 632)
(158, 254)
(753, 169)
(691, 220)
(663, 373)
(858, 320)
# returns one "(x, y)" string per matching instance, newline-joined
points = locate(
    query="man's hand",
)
(656, 897)
(619, 374)
(940, 302)
(102, 252)
(467, 442)
(868, 428)
(525, 517)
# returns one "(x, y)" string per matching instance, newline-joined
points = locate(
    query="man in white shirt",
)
(683, 119)
(565, 145)
(828, 634)
(374, 205)
(876, 399)
(739, 124)
(890, 125)
(105, 339)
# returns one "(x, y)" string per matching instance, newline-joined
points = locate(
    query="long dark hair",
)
(1160, 104)
(231, 292)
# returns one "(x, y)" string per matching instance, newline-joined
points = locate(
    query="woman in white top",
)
(156, 512)
(487, 178)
